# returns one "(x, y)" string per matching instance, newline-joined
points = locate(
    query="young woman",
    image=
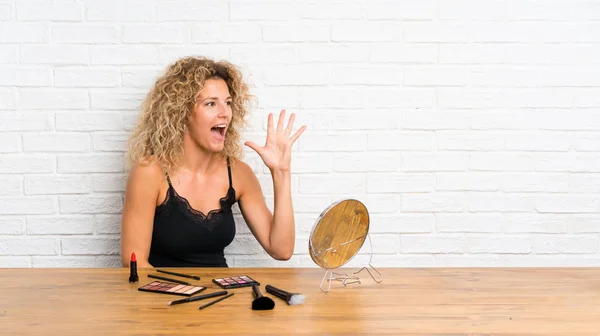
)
(186, 171)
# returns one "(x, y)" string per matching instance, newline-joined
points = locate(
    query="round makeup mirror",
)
(338, 233)
(337, 236)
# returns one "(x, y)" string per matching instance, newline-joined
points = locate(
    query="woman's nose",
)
(224, 110)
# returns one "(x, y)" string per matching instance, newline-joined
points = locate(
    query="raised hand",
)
(277, 151)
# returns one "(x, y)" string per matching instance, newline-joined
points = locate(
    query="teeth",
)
(221, 126)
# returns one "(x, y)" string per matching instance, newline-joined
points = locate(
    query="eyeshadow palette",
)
(171, 288)
(235, 282)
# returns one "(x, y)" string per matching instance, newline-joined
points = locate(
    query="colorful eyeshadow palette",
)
(171, 288)
(235, 282)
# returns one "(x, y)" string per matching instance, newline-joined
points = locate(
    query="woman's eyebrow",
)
(207, 98)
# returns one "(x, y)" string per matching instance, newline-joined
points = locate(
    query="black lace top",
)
(185, 237)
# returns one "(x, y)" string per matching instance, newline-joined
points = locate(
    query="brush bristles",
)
(263, 303)
(296, 299)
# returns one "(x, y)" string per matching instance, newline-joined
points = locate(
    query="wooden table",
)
(421, 301)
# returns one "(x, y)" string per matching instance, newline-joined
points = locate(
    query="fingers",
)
(280, 126)
(280, 121)
(290, 125)
(297, 134)
(270, 124)
(254, 146)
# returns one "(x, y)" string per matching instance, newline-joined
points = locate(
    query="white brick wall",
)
(471, 130)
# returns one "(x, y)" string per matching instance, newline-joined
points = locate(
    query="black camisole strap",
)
(229, 173)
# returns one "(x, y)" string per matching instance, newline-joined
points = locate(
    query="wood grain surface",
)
(420, 301)
(339, 233)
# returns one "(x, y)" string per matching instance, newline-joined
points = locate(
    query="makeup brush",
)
(292, 299)
(196, 298)
(261, 302)
(195, 277)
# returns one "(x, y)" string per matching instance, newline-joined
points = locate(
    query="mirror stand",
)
(344, 278)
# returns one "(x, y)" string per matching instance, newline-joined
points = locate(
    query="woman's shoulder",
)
(239, 167)
(244, 177)
(145, 182)
(147, 169)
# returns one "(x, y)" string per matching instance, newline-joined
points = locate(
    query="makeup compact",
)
(235, 282)
(171, 288)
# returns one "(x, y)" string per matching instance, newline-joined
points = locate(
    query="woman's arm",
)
(275, 232)
(141, 193)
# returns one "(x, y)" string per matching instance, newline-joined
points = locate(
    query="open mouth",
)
(218, 131)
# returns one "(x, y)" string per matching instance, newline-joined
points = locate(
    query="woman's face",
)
(210, 118)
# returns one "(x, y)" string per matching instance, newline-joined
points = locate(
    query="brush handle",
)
(215, 301)
(199, 297)
(180, 274)
(256, 292)
(168, 279)
(280, 293)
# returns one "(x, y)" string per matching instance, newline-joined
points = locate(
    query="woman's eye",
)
(229, 103)
(210, 104)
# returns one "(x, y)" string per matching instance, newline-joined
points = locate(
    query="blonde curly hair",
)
(166, 108)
